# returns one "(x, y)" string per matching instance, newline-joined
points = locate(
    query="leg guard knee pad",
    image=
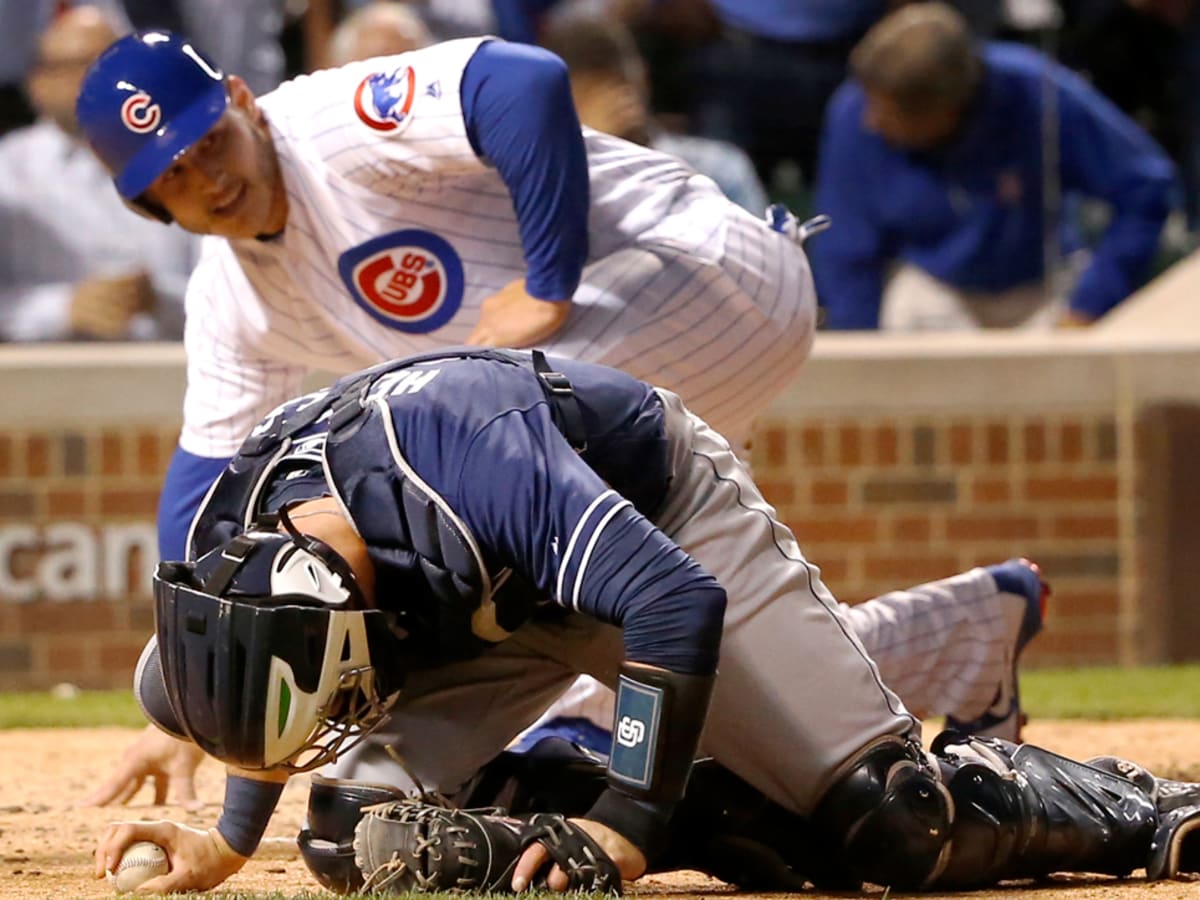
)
(327, 844)
(888, 815)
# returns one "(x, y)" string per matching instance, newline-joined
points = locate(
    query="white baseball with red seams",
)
(140, 862)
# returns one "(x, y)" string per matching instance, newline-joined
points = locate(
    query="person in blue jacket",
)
(950, 168)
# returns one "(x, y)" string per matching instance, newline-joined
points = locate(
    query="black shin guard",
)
(1024, 812)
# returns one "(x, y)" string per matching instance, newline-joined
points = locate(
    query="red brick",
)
(1084, 527)
(49, 617)
(37, 456)
(69, 655)
(777, 490)
(112, 454)
(7, 463)
(1035, 442)
(991, 490)
(962, 444)
(901, 571)
(120, 655)
(812, 444)
(1070, 646)
(912, 528)
(887, 445)
(1071, 448)
(1067, 603)
(66, 504)
(830, 492)
(148, 460)
(850, 445)
(133, 502)
(997, 444)
(774, 446)
(987, 528)
(838, 530)
(835, 570)
(1092, 488)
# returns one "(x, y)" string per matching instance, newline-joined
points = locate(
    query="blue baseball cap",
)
(146, 100)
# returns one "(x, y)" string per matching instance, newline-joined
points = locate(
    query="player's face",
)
(906, 129)
(228, 183)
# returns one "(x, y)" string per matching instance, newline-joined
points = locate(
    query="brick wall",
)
(76, 550)
(882, 503)
(877, 503)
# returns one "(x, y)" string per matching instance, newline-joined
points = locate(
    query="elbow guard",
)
(656, 730)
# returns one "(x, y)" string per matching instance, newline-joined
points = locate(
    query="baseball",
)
(140, 862)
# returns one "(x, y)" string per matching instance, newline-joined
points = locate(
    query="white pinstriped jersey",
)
(397, 232)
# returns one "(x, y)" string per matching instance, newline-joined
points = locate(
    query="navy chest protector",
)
(431, 575)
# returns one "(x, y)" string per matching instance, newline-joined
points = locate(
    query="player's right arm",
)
(849, 260)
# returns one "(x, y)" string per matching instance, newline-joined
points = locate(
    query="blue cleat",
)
(1005, 718)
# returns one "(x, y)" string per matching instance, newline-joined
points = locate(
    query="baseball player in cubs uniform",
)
(399, 572)
(441, 197)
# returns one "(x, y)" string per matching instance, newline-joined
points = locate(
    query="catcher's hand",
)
(409, 845)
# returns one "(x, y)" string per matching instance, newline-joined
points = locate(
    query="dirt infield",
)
(47, 842)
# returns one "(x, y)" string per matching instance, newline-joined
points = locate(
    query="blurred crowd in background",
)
(986, 163)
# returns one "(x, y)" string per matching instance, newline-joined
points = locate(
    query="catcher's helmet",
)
(266, 654)
(146, 100)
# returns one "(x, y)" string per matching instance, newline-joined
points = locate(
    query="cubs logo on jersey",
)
(383, 100)
(410, 280)
(140, 114)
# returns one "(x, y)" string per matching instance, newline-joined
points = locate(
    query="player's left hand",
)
(512, 318)
(1074, 319)
(628, 859)
(199, 859)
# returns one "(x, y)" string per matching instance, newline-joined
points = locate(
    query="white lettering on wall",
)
(73, 561)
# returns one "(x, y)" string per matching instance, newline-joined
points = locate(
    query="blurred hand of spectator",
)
(104, 306)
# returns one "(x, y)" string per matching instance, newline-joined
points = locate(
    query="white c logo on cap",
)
(141, 114)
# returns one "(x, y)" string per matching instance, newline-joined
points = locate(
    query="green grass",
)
(1169, 692)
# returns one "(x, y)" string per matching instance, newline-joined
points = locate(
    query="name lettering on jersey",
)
(383, 100)
(140, 114)
(410, 280)
(406, 381)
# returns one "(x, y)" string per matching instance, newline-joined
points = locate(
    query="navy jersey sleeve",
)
(520, 118)
(532, 501)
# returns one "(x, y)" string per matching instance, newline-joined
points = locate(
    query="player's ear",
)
(240, 94)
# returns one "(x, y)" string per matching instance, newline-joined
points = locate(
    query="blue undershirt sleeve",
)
(517, 20)
(521, 119)
(188, 479)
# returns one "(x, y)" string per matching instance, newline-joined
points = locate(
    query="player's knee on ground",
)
(888, 816)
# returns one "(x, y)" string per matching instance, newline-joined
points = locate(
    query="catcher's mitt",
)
(409, 845)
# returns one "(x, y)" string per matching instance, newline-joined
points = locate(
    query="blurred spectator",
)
(608, 83)
(74, 261)
(21, 23)
(380, 28)
(240, 35)
(948, 167)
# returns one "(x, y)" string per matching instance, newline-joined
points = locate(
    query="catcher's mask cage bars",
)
(220, 697)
